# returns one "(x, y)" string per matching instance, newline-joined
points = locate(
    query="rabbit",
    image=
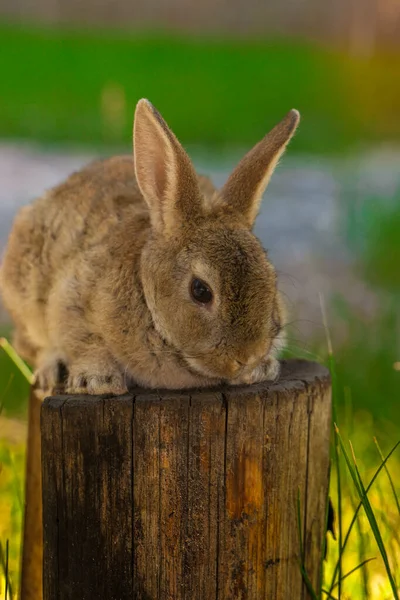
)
(139, 270)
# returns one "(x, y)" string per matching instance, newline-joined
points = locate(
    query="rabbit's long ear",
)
(246, 185)
(164, 172)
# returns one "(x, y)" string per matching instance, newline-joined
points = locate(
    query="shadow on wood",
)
(187, 495)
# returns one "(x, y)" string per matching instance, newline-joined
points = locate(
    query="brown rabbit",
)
(140, 270)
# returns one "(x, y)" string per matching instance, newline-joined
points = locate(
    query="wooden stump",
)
(189, 495)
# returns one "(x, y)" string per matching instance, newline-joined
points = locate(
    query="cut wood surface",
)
(187, 495)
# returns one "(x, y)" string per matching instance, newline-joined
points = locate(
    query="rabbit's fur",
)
(97, 272)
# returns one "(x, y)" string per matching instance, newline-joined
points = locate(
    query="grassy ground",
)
(82, 86)
(370, 545)
(12, 460)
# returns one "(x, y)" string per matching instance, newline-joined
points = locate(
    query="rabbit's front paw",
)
(84, 382)
(51, 373)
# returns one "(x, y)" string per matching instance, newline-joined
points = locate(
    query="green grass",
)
(12, 461)
(380, 528)
(364, 561)
(13, 386)
(212, 90)
(372, 509)
(373, 236)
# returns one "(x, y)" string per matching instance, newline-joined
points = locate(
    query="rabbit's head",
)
(207, 280)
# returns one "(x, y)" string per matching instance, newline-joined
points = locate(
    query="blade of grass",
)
(324, 544)
(332, 369)
(396, 498)
(360, 566)
(5, 391)
(305, 576)
(392, 530)
(17, 360)
(384, 511)
(329, 594)
(6, 569)
(16, 483)
(4, 563)
(378, 536)
(347, 536)
(339, 501)
(355, 475)
(362, 552)
(308, 583)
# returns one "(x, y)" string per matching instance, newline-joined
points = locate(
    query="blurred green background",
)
(81, 86)
(71, 73)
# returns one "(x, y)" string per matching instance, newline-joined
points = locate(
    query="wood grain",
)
(187, 495)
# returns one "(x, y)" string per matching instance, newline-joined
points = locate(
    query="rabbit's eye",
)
(200, 291)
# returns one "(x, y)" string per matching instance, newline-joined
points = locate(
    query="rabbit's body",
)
(78, 244)
(90, 273)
